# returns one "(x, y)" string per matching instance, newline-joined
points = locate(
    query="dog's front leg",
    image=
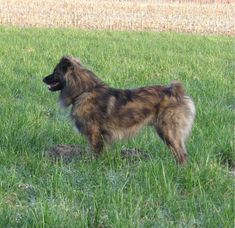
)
(95, 139)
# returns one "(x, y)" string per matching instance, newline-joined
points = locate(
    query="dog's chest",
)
(77, 116)
(78, 125)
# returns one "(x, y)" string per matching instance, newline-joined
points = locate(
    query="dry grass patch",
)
(193, 17)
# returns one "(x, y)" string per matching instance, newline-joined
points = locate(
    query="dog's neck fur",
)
(83, 81)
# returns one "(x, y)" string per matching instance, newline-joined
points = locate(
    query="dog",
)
(104, 114)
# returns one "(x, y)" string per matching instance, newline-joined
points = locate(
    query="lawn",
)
(112, 191)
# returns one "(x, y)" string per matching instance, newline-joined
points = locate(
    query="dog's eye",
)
(56, 74)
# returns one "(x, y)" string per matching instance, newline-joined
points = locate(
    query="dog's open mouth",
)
(53, 85)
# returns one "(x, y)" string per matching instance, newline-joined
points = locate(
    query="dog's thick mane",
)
(84, 74)
(82, 80)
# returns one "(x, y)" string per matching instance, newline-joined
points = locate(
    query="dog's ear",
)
(66, 62)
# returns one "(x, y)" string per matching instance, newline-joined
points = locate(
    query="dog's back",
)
(168, 109)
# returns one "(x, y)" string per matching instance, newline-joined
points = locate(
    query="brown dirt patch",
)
(134, 154)
(65, 152)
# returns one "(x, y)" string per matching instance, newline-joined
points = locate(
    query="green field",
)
(112, 191)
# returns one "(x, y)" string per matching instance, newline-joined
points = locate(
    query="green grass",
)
(111, 191)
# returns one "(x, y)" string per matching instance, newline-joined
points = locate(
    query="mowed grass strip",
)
(111, 191)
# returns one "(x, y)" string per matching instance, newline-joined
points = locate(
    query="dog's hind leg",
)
(175, 143)
(174, 125)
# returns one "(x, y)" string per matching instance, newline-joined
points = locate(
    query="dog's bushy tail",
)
(176, 90)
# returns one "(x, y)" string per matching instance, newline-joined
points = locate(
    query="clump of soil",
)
(65, 152)
(70, 152)
(134, 154)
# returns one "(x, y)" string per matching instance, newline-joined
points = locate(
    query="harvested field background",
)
(209, 17)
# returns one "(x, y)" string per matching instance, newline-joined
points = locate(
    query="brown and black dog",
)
(104, 114)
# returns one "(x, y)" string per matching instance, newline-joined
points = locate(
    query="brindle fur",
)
(104, 114)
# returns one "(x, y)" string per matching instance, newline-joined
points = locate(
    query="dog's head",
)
(57, 80)
(71, 78)
(66, 79)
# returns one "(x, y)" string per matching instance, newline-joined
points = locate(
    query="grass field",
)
(112, 191)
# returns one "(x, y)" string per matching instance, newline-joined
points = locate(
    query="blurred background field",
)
(197, 16)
